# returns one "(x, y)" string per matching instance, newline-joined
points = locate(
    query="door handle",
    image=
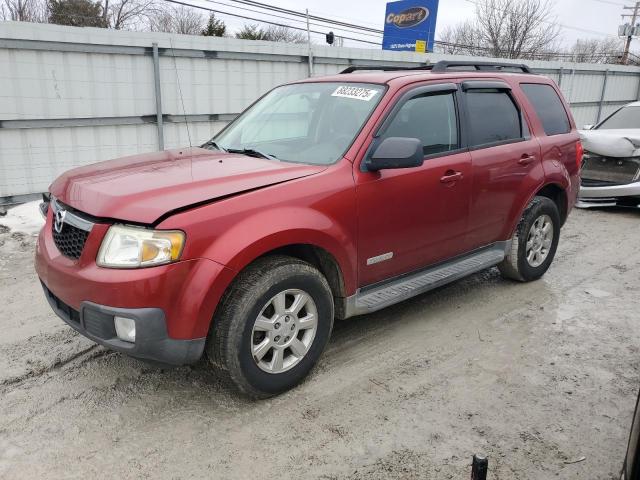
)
(526, 160)
(451, 176)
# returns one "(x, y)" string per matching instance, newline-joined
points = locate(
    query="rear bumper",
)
(152, 340)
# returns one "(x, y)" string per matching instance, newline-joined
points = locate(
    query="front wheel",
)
(272, 325)
(534, 243)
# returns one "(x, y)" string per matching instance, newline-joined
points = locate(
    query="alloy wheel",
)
(284, 331)
(539, 240)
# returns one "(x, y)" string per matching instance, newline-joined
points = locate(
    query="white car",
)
(611, 167)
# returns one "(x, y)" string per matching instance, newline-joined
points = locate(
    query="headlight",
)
(134, 247)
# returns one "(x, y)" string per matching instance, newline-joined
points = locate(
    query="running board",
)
(375, 297)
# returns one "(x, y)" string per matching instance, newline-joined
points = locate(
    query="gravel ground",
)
(536, 376)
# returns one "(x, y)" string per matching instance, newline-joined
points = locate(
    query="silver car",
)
(611, 166)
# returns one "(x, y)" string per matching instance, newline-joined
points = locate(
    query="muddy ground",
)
(536, 376)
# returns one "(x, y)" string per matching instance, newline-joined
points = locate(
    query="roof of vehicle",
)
(411, 76)
(444, 69)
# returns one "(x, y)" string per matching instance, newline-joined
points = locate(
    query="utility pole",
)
(309, 44)
(631, 32)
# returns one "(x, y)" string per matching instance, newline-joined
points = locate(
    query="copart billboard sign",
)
(410, 25)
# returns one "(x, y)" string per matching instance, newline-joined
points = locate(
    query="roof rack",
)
(383, 68)
(445, 65)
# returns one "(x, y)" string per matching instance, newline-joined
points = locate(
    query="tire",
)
(262, 289)
(516, 264)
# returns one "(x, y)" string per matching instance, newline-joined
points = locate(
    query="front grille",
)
(611, 170)
(70, 241)
(587, 182)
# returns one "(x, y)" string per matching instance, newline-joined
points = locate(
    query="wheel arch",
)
(558, 195)
(318, 256)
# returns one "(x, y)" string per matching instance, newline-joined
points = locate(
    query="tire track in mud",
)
(57, 365)
(407, 392)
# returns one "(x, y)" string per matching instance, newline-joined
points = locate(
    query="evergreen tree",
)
(214, 28)
(76, 13)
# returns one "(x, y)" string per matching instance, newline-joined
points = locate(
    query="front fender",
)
(270, 229)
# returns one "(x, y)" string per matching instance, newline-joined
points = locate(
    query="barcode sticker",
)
(359, 93)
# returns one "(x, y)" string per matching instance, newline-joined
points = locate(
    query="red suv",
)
(326, 198)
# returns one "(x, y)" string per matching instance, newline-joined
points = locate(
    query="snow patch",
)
(25, 218)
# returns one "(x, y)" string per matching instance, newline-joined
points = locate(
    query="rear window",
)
(493, 117)
(548, 107)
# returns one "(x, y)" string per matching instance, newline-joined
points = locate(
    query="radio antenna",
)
(184, 112)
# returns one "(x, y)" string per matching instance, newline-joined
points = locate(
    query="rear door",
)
(505, 159)
(410, 218)
(556, 135)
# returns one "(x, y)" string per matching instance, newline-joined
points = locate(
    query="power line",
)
(264, 21)
(295, 19)
(253, 3)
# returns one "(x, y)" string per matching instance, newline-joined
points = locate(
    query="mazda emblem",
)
(59, 221)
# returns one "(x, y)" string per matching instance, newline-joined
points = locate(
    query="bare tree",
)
(129, 14)
(180, 19)
(593, 50)
(276, 33)
(506, 28)
(461, 39)
(23, 10)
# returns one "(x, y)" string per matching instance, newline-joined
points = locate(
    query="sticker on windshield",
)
(359, 93)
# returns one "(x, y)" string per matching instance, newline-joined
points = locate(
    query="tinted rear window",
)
(548, 107)
(493, 117)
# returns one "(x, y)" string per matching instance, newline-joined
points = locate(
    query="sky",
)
(578, 18)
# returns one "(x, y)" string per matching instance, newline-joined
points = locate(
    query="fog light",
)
(125, 328)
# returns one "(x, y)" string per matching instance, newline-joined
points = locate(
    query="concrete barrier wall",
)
(73, 96)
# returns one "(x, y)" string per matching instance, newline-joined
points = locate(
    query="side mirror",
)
(396, 152)
(588, 126)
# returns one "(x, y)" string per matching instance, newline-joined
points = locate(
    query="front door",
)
(411, 218)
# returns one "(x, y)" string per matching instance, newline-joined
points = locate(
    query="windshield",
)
(311, 123)
(626, 117)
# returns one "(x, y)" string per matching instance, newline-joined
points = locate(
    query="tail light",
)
(579, 154)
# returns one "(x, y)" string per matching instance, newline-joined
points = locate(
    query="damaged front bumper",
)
(609, 181)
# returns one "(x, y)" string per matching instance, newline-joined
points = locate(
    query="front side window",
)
(626, 117)
(312, 123)
(548, 107)
(493, 117)
(429, 118)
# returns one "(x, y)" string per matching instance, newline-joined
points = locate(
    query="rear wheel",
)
(534, 243)
(272, 325)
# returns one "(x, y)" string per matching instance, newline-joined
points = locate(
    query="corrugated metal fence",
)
(73, 96)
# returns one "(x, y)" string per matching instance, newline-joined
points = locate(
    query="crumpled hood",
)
(142, 188)
(612, 143)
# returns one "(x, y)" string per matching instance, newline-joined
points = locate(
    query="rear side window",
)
(429, 118)
(548, 107)
(493, 117)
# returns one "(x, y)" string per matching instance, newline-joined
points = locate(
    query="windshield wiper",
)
(213, 144)
(252, 152)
